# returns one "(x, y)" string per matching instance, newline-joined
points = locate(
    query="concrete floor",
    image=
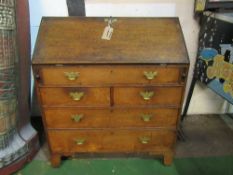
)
(205, 135)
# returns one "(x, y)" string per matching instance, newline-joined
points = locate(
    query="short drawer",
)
(75, 96)
(110, 140)
(105, 118)
(128, 96)
(100, 75)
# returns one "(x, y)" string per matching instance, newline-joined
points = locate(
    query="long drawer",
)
(106, 118)
(100, 75)
(127, 96)
(110, 140)
(75, 96)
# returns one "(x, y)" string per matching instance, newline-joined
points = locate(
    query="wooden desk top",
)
(73, 40)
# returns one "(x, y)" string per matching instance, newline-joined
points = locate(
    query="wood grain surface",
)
(134, 40)
(110, 140)
(117, 115)
(106, 118)
(62, 97)
(128, 96)
(109, 75)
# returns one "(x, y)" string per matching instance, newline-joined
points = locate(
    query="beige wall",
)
(203, 100)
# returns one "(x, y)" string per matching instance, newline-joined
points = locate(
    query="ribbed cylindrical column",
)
(8, 100)
(14, 140)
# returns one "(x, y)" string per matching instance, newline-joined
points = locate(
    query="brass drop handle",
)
(76, 96)
(147, 95)
(72, 75)
(150, 75)
(77, 117)
(80, 141)
(144, 140)
(146, 117)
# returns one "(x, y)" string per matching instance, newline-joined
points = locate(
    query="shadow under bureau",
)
(122, 94)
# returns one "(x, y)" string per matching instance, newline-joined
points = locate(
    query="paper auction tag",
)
(107, 34)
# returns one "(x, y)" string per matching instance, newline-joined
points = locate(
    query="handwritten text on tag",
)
(107, 34)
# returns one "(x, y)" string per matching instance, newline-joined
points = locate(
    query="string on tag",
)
(108, 30)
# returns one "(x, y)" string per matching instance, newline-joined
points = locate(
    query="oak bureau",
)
(110, 85)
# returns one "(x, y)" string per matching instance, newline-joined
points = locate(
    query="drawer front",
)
(148, 96)
(75, 96)
(98, 75)
(103, 118)
(110, 140)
